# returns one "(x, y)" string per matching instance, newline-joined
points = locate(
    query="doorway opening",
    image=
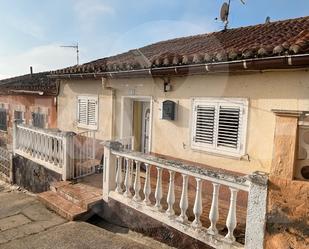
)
(136, 122)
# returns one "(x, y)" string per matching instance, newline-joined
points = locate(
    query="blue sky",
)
(32, 31)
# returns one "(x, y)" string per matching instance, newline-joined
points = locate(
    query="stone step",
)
(61, 206)
(80, 194)
(54, 186)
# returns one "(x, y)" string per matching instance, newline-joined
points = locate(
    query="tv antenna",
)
(77, 50)
(225, 12)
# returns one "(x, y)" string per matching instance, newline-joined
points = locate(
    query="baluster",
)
(231, 220)
(214, 210)
(54, 150)
(158, 192)
(137, 182)
(127, 181)
(171, 195)
(40, 146)
(27, 136)
(119, 176)
(147, 186)
(198, 204)
(35, 143)
(184, 200)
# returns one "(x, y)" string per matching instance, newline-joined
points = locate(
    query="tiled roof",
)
(286, 37)
(37, 82)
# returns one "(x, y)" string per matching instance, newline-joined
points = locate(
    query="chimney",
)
(31, 71)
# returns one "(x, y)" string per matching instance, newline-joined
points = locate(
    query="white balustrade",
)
(147, 186)
(231, 220)
(184, 200)
(137, 182)
(119, 179)
(44, 147)
(171, 195)
(198, 206)
(214, 210)
(158, 192)
(181, 222)
(128, 181)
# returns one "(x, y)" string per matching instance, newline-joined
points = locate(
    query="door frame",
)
(123, 109)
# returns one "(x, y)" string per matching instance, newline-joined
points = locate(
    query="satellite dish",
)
(224, 14)
(267, 20)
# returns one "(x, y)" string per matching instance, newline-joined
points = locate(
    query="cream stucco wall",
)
(67, 106)
(265, 91)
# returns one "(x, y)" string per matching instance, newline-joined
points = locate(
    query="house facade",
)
(29, 99)
(223, 94)
(205, 138)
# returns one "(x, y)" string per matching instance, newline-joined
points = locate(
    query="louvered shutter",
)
(82, 110)
(219, 125)
(205, 124)
(92, 112)
(229, 127)
(87, 112)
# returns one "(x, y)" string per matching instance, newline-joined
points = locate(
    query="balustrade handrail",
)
(54, 134)
(224, 178)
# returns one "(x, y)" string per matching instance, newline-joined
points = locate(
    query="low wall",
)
(32, 176)
(287, 218)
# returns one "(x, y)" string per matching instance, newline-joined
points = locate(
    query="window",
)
(3, 119)
(219, 125)
(38, 120)
(87, 112)
(19, 116)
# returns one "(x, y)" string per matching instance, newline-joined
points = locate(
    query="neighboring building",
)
(30, 99)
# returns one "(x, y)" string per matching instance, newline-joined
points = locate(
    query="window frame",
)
(243, 103)
(45, 119)
(7, 118)
(22, 114)
(87, 98)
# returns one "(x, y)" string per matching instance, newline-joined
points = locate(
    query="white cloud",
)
(42, 58)
(89, 10)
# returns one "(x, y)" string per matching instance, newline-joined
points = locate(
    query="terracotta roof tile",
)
(263, 40)
(37, 82)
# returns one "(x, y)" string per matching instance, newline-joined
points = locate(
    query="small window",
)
(38, 120)
(219, 125)
(19, 116)
(87, 112)
(3, 119)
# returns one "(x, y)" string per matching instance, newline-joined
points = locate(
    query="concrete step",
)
(54, 186)
(61, 206)
(80, 194)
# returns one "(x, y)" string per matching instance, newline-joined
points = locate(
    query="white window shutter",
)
(92, 112)
(87, 112)
(82, 110)
(204, 125)
(229, 127)
(219, 125)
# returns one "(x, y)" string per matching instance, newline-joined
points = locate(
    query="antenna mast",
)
(77, 51)
(225, 12)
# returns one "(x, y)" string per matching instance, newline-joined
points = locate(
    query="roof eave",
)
(245, 65)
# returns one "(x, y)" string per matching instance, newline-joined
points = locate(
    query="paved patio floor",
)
(26, 224)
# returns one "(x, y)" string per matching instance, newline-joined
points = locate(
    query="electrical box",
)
(168, 110)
